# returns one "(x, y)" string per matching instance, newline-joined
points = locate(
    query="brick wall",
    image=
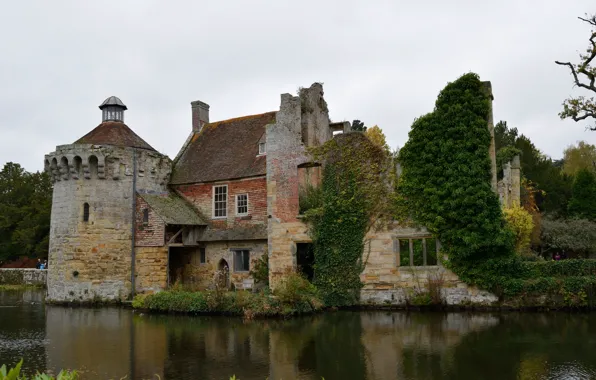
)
(201, 196)
(150, 234)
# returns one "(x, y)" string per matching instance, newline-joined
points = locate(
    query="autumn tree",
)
(584, 76)
(582, 156)
(377, 137)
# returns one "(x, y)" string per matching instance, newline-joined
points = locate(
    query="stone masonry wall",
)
(201, 276)
(23, 276)
(92, 260)
(151, 267)
(388, 283)
(152, 233)
(301, 121)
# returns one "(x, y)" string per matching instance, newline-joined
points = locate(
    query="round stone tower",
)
(95, 183)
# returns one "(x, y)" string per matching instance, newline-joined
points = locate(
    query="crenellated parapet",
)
(88, 162)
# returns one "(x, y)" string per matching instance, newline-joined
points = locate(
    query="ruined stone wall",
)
(92, 259)
(23, 276)
(201, 196)
(388, 283)
(302, 121)
(201, 275)
(152, 233)
(151, 269)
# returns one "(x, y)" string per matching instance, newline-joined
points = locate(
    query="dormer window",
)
(262, 148)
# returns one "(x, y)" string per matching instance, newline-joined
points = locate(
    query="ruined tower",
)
(95, 179)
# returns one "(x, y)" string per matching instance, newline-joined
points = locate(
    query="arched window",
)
(93, 163)
(78, 165)
(86, 212)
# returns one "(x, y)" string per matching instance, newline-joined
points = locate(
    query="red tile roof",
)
(114, 133)
(224, 150)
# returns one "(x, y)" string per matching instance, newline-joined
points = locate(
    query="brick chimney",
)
(200, 115)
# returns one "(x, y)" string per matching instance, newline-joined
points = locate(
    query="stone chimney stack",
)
(200, 115)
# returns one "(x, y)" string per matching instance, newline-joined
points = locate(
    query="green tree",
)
(582, 156)
(446, 173)
(575, 235)
(25, 205)
(552, 184)
(583, 202)
(584, 76)
(357, 125)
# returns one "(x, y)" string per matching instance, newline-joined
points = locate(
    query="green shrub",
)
(15, 374)
(260, 271)
(295, 296)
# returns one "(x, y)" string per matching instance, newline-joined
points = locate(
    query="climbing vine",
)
(355, 197)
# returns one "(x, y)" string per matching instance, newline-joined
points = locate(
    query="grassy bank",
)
(294, 296)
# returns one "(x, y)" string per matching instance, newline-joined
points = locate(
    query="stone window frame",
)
(262, 148)
(86, 212)
(235, 252)
(214, 202)
(238, 207)
(202, 255)
(411, 238)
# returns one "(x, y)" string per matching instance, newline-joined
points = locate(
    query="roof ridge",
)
(241, 117)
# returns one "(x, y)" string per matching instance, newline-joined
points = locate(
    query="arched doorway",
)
(223, 274)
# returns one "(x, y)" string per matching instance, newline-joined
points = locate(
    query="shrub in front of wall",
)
(295, 296)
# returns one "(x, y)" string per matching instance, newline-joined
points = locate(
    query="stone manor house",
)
(127, 219)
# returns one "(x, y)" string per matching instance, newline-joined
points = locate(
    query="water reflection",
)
(112, 343)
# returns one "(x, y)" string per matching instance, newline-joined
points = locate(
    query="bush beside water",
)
(295, 295)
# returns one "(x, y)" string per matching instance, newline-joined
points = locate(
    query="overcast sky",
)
(382, 62)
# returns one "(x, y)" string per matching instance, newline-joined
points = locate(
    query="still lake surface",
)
(111, 343)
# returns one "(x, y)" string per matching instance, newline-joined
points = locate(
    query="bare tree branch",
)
(582, 108)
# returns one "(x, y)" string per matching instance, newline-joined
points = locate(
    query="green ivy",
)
(446, 178)
(338, 237)
(355, 197)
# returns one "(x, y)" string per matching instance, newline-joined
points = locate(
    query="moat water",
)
(111, 343)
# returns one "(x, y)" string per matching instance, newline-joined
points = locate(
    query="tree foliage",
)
(583, 202)
(552, 185)
(377, 137)
(582, 156)
(25, 205)
(446, 178)
(520, 222)
(576, 235)
(358, 126)
(584, 76)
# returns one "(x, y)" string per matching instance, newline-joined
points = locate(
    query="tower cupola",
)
(112, 109)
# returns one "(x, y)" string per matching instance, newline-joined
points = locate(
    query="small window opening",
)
(86, 212)
(262, 148)
(418, 251)
(242, 204)
(145, 216)
(203, 255)
(241, 260)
